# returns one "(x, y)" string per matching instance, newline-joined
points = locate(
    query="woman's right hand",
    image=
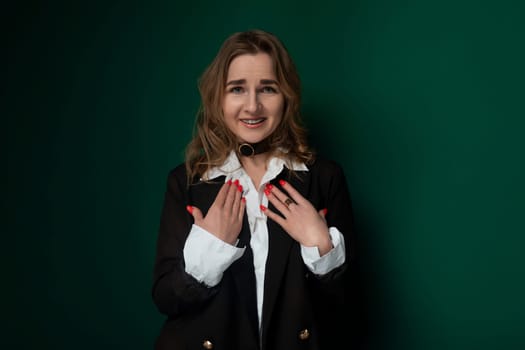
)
(224, 218)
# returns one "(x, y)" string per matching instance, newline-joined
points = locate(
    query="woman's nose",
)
(253, 104)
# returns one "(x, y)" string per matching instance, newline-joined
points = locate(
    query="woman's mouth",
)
(252, 123)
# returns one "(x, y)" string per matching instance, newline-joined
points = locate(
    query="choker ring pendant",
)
(246, 149)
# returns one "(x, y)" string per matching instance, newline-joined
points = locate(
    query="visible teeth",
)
(252, 121)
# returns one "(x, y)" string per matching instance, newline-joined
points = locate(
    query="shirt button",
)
(208, 345)
(304, 334)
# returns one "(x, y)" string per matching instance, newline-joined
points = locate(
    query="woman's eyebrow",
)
(236, 82)
(268, 81)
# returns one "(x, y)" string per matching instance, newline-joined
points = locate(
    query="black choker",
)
(251, 149)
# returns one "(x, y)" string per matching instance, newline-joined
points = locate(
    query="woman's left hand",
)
(299, 218)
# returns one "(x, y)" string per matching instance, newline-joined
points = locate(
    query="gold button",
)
(208, 345)
(304, 334)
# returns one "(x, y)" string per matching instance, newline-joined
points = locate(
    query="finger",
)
(323, 212)
(277, 194)
(241, 208)
(272, 193)
(221, 196)
(230, 196)
(275, 217)
(237, 200)
(195, 212)
(294, 194)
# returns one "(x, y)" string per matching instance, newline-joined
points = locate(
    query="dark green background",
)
(420, 101)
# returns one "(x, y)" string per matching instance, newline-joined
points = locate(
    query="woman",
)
(252, 247)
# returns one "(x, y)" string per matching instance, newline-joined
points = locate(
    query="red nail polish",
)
(243, 199)
(236, 182)
(229, 182)
(269, 186)
(267, 191)
(282, 182)
(239, 187)
(189, 208)
(263, 208)
(325, 211)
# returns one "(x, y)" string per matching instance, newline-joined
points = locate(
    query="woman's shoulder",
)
(329, 173)
(177, 175)
(325, 165)
(178, 171)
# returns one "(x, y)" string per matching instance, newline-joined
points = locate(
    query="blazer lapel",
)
(280, 244)
(202, 194)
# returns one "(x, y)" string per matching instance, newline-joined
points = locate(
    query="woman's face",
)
(253, 104)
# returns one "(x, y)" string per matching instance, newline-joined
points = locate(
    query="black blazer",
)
(300, 309)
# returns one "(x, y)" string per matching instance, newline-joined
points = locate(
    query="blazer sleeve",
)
(332, 292)
(174, 291)
(339, 205)
(336, 199)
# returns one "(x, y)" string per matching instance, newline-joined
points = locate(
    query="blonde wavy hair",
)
(212, 140)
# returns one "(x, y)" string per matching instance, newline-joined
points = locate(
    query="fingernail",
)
(243, 199)
(236, 182)
(325, 211)
(282, 182)
(189, 208)
(263, 208)
(267, 191)
(269, 186)
(239, 187)
(229, 182)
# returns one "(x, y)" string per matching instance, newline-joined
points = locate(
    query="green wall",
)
(420, 101)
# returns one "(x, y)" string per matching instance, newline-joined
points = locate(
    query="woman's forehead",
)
(250, 66)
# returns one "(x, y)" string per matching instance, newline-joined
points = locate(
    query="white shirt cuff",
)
(207, 257)
(321, 265)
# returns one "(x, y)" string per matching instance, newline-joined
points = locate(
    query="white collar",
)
(232, 168)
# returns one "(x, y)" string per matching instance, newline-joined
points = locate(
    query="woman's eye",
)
(269, 90)
(236, 90)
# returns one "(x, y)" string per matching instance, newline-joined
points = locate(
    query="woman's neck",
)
(255, 166)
